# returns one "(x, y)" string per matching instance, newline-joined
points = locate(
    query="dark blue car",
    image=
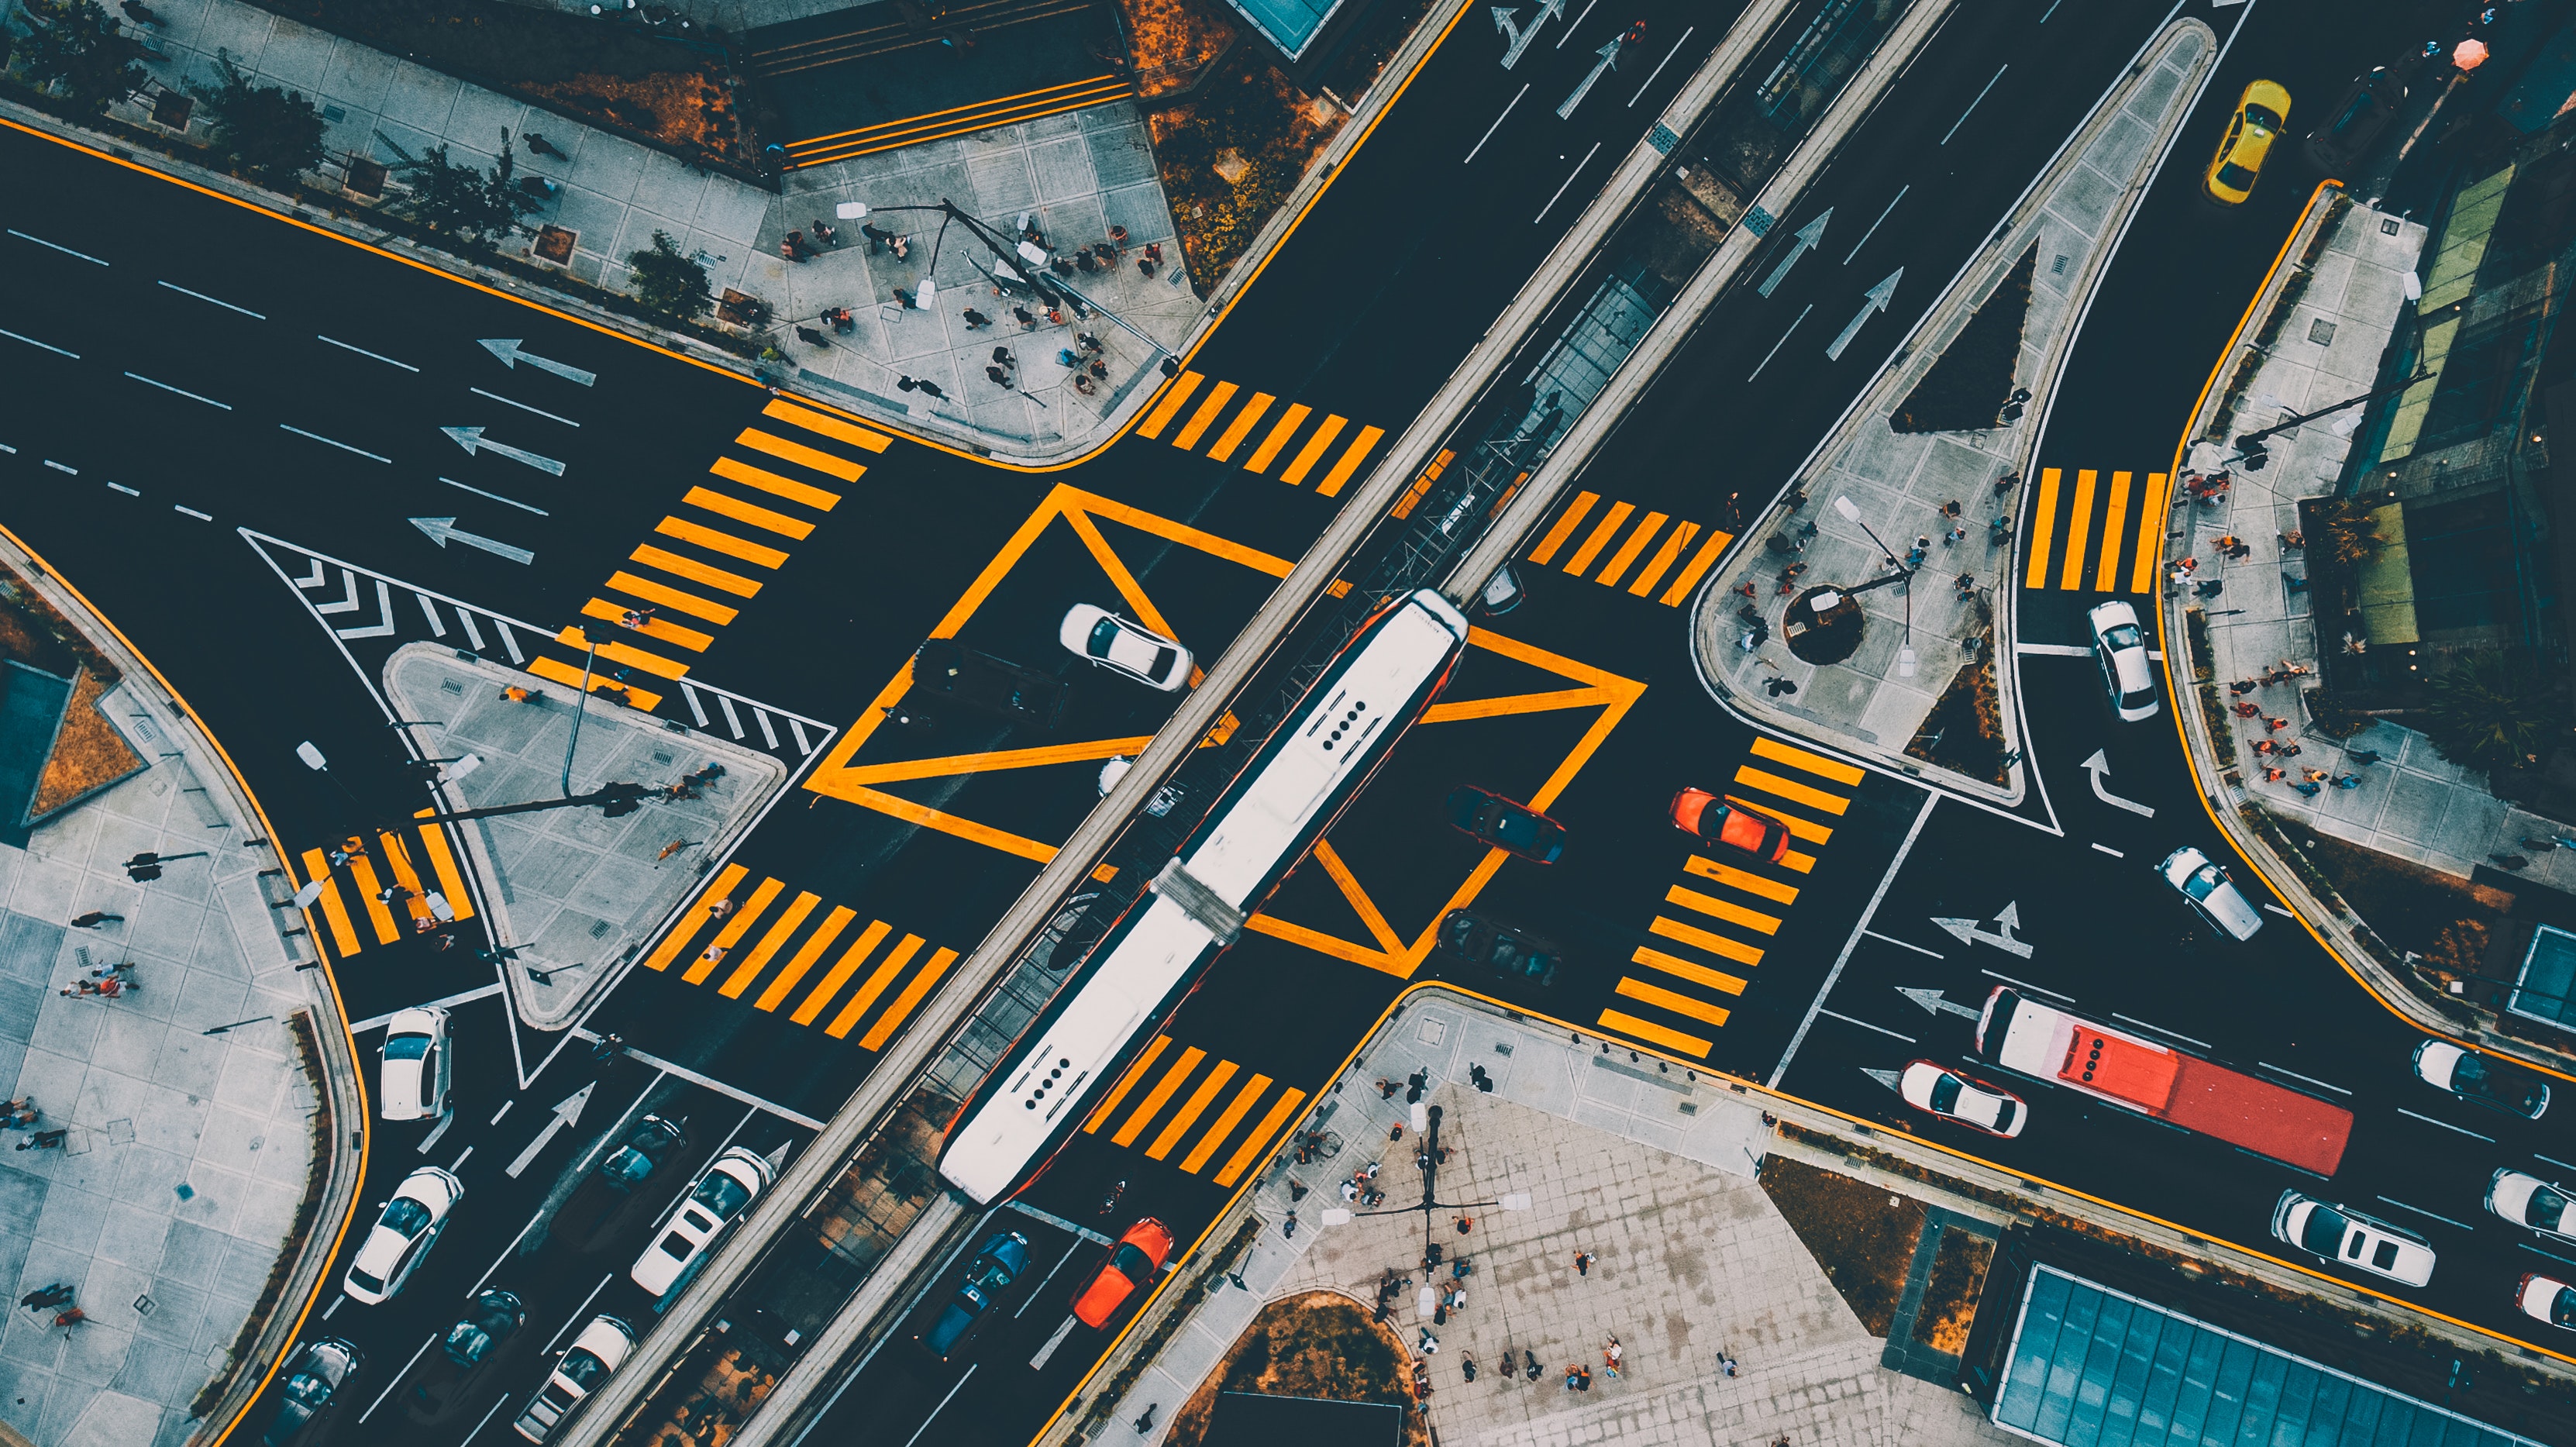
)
(992, 1272)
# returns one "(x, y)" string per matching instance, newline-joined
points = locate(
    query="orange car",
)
(1139, 1254)
(1710, 819)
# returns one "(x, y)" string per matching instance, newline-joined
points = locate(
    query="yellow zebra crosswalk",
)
(2094, 531)
(1225, 417)
(427, 900)
(676, 575)
(1178, 1095)
(750, 938)
(1668, 545)
(1728, 911)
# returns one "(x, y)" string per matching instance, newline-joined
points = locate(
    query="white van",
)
(2349, 1238)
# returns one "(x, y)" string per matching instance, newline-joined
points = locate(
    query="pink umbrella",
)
(2469, 54)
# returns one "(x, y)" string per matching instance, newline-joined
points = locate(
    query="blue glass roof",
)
(2094, 1367)
(1289, 24)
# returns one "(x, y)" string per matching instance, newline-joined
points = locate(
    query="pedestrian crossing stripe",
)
(751, 939)
(1211, 409)
(1668, 545)
(1181, 1125)
(394, 849)
(2097, 534)
(1728, 912)
(726, 524)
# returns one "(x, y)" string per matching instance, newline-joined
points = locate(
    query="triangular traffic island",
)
(1968, 389)
(56, 747)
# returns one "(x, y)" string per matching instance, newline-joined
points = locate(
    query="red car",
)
(1139, 1254)
(1711, 820)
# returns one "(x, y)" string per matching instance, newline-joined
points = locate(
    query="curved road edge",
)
(342, 1078)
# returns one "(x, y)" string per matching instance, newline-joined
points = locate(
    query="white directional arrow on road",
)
(565, 1114)
(1932, 1000)
(1520, 39)
(1888, 1078)
(1879, 296)
(441, 530)
(473, 440)
(508, 351)
(2006, 921)
(2097, 766)
(1609, 53)
(1806, 238)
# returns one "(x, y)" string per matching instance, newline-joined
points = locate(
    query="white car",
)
(404, 1231)
(2343, 1235)
(2530, 1201)
(2211, 892)
(730, 1183)
(418, 1064)
(2545, 1300)
(2482, 1079)
(2121, 647)
(1122, 647)
(602, 1348)
(1946, 1093)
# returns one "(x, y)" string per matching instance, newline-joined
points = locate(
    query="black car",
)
(1499, 947)
(489, 1322)
(647, 1145)
(320, 1371)
(944, 669)
(989, 1275)
(2367, 106)
(1504, 824)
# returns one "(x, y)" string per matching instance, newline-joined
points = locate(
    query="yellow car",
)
(2250, 133)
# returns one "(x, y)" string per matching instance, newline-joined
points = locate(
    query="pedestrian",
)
(999, 377)
(2506, 861)
(975, 320)
(2248, 708)
(2275, 725)
(902, 246)
(1778, 686)
(1529, 1363)
(2185, 568)
(2290, 749)
(2293, 539)
(1024, 317)
(1465, 1225)
(2313, 776)
(2293, 670)
(1572, 1383)
(2239, 551)
(1288, 1228)
(44, 1140)
(2311, 790)
(903, 382)
(825, 234)
(2266, 746)
(2361, 756)
(637, 619)
(1386, 1089)
(1429, 1345)
(1726, 1363)
(2275, 775)
(1098, 369)
(1145, 1419)
(2210, 589)
(2295, 585)
(931, 390)
(713, 956)
(2353, 781)
(1064, 357)
(904, 299)
(1467, 1367)
(1511, 1365)
(811, 337)
(1082, 262)
(1002, 357)
(1611, 1353)
(2006, 483)
(877, 237)
(787, 247)
(2243, 686)
(1085, 341)
(720, 908)
(1584, 1374)
(95, 918)
(1583, 1263)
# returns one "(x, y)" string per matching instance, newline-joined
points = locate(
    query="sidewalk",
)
(199, 1192)
(1871, 703)
(1648, 1170)
(578, 894)
(1076, 174)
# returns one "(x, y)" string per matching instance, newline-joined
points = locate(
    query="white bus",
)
(1318, 758)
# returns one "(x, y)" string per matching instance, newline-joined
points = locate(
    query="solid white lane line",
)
(182, 391)
(344, 447)
(1904, 944)
(2444, 1124)
(2276, 909)
(60, 467)
(228, 306)
(504, 1110)
(2026, 985)
(1873, 226)
(1885, 881)
(443, 1002)
(2054, 650)
(1865, 1025)
(469, 1437)
(65, 250)
(1496, 126)
(361, 351)
(48, 346)
(1069, 1248)
(397, 1379)
(711, 1083)
(1578, 20)
(1569, 180)
(1784, 341)
(2310, 1079)
(436, 1131)
(576, 1316)
(1972, 106)
(1659, 66)
(121, 487)
(2107, 849)
(2159, 1030)
(459, 1163)
(192, 512)
(522, 406)
(2432, 1215)
(496, 497)
(2553, 1161)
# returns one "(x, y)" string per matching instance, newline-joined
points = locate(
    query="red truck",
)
(2160, 1081)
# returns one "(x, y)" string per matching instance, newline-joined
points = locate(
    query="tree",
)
(73, 43)
(2489, 711)
(473, 206)
(667, 282)
(2351, 534)
(267, 130)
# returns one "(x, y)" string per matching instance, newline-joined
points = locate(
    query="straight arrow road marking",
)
(2096, 767)
(1805, 241)
(473, 441)
(1519, 39)
(1877, 301)
(1609, 60)
(440, 530)
(566, 1112)
(2006, 921)
(1934, 1001)
(508, 351)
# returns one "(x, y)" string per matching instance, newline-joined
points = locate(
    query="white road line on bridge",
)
(228, 306)
(2430, 1215)
(2537, 1156)
(1659, 66)
(1578, 20)
(2552, 1255)
(942, 1407)
(397, 1379)
(344, 447)
(2444, 1124)
(1496, 126)
(1865, 1025)
(121, 487)
(1784, 341)
(361, 351)
(48, 346)
(182, 391)
(1873, 226)
(577, 1317)
(1569, 180)
(1972, 105)
(1904, 944)
(62, 467)
(2107, 849)
(206, 517)
(65, 250)
(2276, 909)
(1885, 880)
(522, 406)
(496, 497)
(2294, 1075)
